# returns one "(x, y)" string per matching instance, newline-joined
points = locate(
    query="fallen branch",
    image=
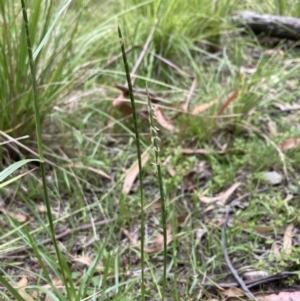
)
(271, 25)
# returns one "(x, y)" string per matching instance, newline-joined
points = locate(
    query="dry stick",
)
(189, 95)
(171, 64)
(229, 264)
(274, 26)
(16, 139)
(142, 54)
(57, 237)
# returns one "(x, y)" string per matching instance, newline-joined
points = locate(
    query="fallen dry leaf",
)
(191, 151)
(287, 239)
(20, 287)
(290, 143)
(122, 105)
(229, 100)
(232, 292)
(273, 52)
(287, 106)
(22, 282)
(200, 151)
(58, 284)
(158, 243)
(275, 250)
(156, 204)
(132, 173)
(203, 107)
(162, 120)
(95, 170)
(272, 128)
(169, 167)
(222, 197)
(88, 261)
(283, 296)
(21, 218)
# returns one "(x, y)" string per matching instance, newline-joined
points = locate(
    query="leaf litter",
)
(133, 172)
(222, 197)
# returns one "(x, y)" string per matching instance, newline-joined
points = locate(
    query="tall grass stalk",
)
(155, 139)
(139, 155)
(62, 262)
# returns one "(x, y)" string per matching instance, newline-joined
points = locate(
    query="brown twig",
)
(57, 237)
(229, 264)
(142, 54)
(172, 65)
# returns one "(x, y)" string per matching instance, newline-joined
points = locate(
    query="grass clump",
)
(176, 32)
(54, 59)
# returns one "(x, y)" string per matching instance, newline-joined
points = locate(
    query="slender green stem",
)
(62, 263)
(139, 154)
(155, 139)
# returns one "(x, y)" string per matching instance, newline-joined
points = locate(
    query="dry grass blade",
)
(140, 58)
(230, 99)
(185, 106)
(204, 107)
(287, 239)
(95, 170)
(162, 120)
